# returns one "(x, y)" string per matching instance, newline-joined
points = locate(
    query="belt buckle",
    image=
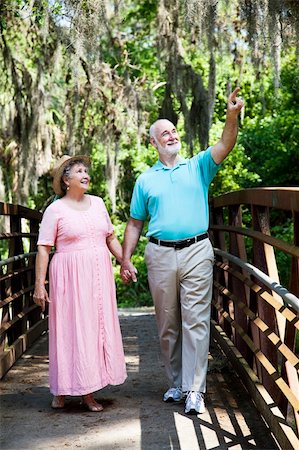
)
(177, 245)
(190, 241)
(182, 244)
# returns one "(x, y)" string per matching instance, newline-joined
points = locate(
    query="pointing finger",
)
(233, 95)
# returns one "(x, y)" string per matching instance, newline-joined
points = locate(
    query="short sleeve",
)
(48, 228)
(207, 165)
(138, 208)
(108, 220)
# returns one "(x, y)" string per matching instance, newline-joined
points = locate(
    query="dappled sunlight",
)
(215, 428)
(185, 427)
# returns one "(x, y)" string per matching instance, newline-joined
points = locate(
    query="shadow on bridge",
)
(134, 416)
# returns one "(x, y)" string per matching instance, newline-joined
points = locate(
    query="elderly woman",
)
(85, 344)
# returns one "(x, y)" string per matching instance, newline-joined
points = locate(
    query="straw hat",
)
(59, 167)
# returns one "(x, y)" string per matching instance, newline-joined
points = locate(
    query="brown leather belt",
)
(177, 245)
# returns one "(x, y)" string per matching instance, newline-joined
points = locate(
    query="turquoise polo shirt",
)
(175, 198)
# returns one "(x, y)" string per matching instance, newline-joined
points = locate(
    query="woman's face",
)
(78, 178)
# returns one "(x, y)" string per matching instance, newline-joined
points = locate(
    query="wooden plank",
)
(237, 248)
(284, 434)
(8, 209)
(15, 273)
(13, 235)
(274, 242)
(272, 197)
(17, 284)
(294, 385)
(268, 367)
(220, 276)
(15, 296)
(282, 309)
(260, 200)
(20, 316)
(10, 356)
(290, 334)
(34, 317)
(266, 263)
(270, 334)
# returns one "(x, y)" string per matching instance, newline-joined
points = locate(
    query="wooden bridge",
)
(255, 322)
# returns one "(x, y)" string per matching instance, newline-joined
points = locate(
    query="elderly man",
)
(179, 255)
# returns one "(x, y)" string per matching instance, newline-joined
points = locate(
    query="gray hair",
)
(67, 170)
(152, 130)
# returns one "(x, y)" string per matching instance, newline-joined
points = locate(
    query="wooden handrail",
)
(13, 235)
(276, 243)
(8, 209)
(272, 197)
(287, 296)
(20, 316)
(265, 295)
(16, 258)
(260, 319)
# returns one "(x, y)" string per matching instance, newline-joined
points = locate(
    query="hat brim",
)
(58, 171)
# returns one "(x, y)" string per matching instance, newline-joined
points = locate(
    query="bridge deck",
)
(134, 417)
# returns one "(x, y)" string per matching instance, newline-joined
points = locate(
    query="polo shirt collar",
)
(160, 166)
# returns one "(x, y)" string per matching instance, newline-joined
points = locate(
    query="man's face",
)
(166, 139)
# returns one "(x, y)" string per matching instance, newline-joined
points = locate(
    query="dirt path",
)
(135, 418)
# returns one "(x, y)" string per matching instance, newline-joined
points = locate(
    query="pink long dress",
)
(85, 343)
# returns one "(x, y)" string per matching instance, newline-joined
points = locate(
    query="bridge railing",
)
(21, 320)
(255, 318)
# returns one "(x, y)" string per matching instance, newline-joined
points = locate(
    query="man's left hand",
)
(235, 103)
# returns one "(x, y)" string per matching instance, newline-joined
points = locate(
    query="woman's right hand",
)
(40, 297)
(128, 272)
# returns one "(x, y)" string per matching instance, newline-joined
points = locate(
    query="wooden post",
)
(220, 275)
(289, 373)
(35, 316)
(264, 259)
(16, 248)
(4, 312)
(237, 287)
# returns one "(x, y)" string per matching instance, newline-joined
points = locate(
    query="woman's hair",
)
(67, 170)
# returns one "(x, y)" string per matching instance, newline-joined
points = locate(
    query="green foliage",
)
(271, 140)
(284, 231)
(234, 173)
(97, 175)
(3, 249)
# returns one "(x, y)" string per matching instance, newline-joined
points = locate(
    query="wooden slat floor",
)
(134, 418)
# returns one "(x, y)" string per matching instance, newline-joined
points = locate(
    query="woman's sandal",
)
(58, 402)
(90, 403)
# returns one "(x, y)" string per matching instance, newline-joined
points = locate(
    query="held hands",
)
(234, 103)
(128, 272)
(40, 297)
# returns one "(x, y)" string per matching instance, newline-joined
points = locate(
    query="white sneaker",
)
(173, 395)
(195, 403)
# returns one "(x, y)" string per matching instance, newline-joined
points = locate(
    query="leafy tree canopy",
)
(89, 76)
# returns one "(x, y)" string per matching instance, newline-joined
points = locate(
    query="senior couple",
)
(85, 344)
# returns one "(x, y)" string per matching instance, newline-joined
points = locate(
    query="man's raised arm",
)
(229, 135)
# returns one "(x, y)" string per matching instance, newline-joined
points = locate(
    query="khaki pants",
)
(181, 286)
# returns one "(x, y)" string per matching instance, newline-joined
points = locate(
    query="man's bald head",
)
(158, 124)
